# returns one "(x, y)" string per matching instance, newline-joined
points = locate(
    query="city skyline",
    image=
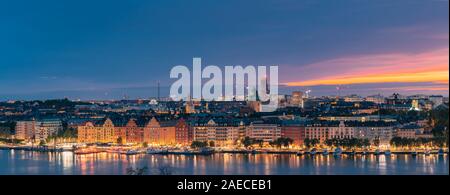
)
(110, 49)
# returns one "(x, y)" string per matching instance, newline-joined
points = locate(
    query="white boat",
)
(365, 152)
(153, 151)
(131, 152)
(427, 152)
(183, 152)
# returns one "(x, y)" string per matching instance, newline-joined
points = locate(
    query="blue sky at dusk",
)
(104, 49)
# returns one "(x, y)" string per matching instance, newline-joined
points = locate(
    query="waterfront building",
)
(183, 133)
(341, 131)
(316, 131)
(412, 131)
(323, 130)
(374, 131)
(265, 132)
(294, 131)
(93, 133)
(134, 133)
(221, 132)
(46, 128)
(25, 129)
(160, 133)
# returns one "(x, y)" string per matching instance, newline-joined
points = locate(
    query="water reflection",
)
(26, 162)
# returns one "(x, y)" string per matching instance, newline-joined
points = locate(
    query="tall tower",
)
(158, 92)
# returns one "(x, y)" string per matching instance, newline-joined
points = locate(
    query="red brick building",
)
(295, 132)
(134, 133)
(183, 133)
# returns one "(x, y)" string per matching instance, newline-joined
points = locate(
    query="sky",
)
(108, 49)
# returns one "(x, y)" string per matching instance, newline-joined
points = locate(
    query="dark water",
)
(65, 163)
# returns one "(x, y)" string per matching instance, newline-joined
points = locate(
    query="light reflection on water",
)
(66, 163)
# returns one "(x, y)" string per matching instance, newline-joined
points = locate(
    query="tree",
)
(311, 142)
(287, 141)
(329, 142)
(145, 144)
(307, 142)
(376, 142)
(247, 142)
(42, 143)
(366, 143)
(259, 142)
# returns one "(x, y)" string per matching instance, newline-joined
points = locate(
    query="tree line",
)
(411, 142)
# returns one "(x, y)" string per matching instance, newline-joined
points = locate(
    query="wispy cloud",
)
(431, 66)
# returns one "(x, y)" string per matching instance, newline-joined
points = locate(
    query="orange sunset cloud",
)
(429, 66)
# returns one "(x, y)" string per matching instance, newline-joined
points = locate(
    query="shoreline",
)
(297, 152)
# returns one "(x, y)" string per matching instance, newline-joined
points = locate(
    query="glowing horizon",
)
(430, 66)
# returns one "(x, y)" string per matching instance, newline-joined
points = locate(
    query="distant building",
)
(297, 99)
(436, 100)
(353, 98)
(377, 99)
(359, 118)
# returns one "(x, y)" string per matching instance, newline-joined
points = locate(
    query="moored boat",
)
(132, 152)
(414, 153)
(365, 152)
(387, 152)
(313, 151)
(427, 152)
(325, 152)
(441, 152)
(377, 152)
(353, 152)
(337, 151)
(153, 151)
(86, 151)
(206, 151)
